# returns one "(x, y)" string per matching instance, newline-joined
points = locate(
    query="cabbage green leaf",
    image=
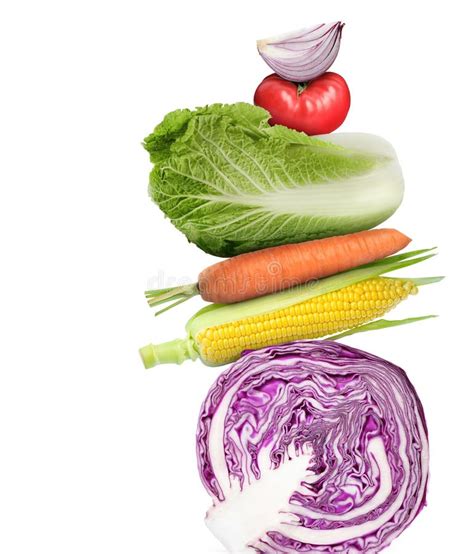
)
(232, 183)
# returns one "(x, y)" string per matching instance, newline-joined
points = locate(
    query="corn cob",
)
(318, 317)
(219, 333)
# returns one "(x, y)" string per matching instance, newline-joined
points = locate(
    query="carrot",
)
(280, 267)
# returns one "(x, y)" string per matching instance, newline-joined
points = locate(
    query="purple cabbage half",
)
(312, 447)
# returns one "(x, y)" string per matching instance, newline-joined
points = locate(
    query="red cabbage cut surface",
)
(312, 447)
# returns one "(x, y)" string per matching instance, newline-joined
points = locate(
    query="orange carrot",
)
(280, 267)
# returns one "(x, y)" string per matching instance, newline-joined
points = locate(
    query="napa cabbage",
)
(232, 183)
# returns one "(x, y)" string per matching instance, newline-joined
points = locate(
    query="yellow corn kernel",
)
(317, 317)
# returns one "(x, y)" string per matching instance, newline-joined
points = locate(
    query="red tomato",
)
(319, 108)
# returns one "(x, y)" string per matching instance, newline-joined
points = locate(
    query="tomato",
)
(316, 108)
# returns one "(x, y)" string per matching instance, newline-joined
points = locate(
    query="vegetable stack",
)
(303, 445)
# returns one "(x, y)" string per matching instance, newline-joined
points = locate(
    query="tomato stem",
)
(301, 88)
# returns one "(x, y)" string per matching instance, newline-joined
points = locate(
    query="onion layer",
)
(302, 55)
(312, 447)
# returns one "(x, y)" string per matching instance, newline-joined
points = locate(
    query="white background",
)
(96, 454)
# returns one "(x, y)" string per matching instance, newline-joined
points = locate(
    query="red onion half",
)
(312, 447)
(302, 55)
